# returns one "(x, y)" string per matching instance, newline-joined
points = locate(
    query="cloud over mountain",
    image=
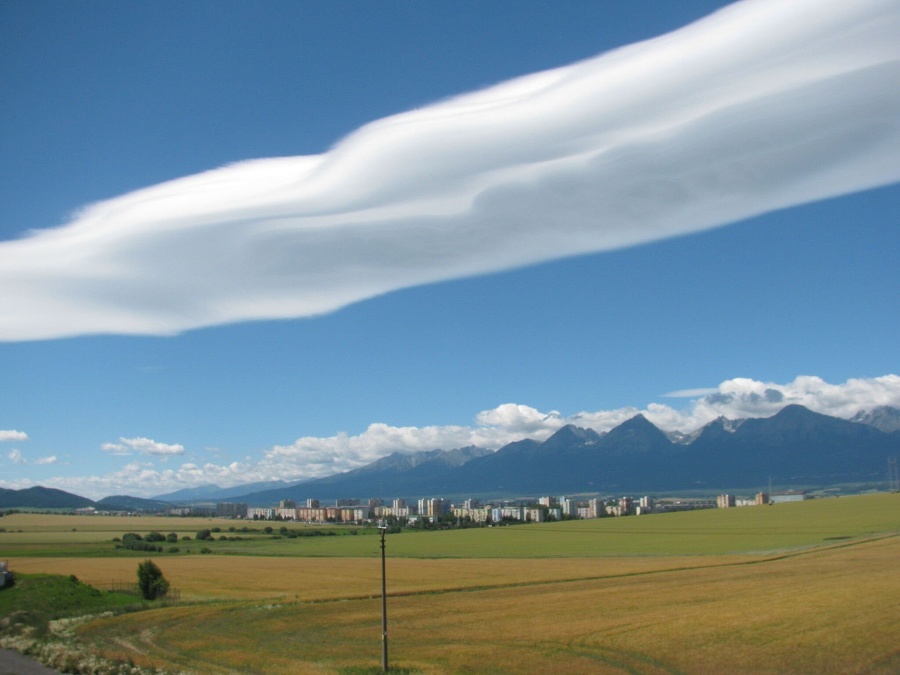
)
(763, 105)
(313, 457)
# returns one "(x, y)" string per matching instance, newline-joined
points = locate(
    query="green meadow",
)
(708, 532)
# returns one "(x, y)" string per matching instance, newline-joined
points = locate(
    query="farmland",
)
(806, 587)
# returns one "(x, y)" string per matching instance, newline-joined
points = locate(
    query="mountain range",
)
(796, 446)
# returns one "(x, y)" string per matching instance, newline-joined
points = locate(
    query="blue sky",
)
(386, 320)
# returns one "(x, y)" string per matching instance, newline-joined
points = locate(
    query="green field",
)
(805, 587)
(708, 532)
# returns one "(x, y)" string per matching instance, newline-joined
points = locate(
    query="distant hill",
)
(398, 474)
(41, 498)
(211, 493)
(126, 503)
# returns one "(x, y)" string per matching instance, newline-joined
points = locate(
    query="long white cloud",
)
(313, 457)
(144, 446)
(762, 105)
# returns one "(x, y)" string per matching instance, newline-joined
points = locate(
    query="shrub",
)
(151, 580)
(203, 535)
(135, 542)
(171, 537)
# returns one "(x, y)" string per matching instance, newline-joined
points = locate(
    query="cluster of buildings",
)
(401, 511)
(434, 509)
(540, 510)
(345, 511)
(726, 501)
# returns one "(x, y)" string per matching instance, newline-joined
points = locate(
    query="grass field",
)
(810, 587)
(709, 532)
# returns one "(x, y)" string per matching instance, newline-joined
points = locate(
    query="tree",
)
(151, 580)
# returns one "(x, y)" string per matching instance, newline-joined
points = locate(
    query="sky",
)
(256, 241)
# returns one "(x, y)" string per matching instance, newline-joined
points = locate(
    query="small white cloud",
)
(144, 446)
(763, 105)
(10, 435)
(46, 460)
(691, 393)
(16, 457)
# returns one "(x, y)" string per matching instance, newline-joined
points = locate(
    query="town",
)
(471, 512)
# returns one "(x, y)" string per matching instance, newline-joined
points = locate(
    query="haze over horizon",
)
(444, 273)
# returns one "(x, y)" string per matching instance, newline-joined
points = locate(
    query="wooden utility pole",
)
(382, 527)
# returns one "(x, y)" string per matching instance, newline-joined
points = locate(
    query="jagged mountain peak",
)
(635, 425)
(681, 438)
(401, 460)
(884, 418)
(795, 410)
(727, 424)
(410, 460)
(573, 434)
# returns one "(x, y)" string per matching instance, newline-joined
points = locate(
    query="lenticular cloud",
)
(763, 105)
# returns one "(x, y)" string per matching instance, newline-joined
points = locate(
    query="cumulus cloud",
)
(11, 435)
(313, 457)
(762, 105)
(144, 446)
(16, 457)
(52, 459)
(744, 397)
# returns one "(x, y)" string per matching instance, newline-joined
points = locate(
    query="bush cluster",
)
(136, 542)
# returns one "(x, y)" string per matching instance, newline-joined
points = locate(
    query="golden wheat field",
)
(830, 610)
(806, 588)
